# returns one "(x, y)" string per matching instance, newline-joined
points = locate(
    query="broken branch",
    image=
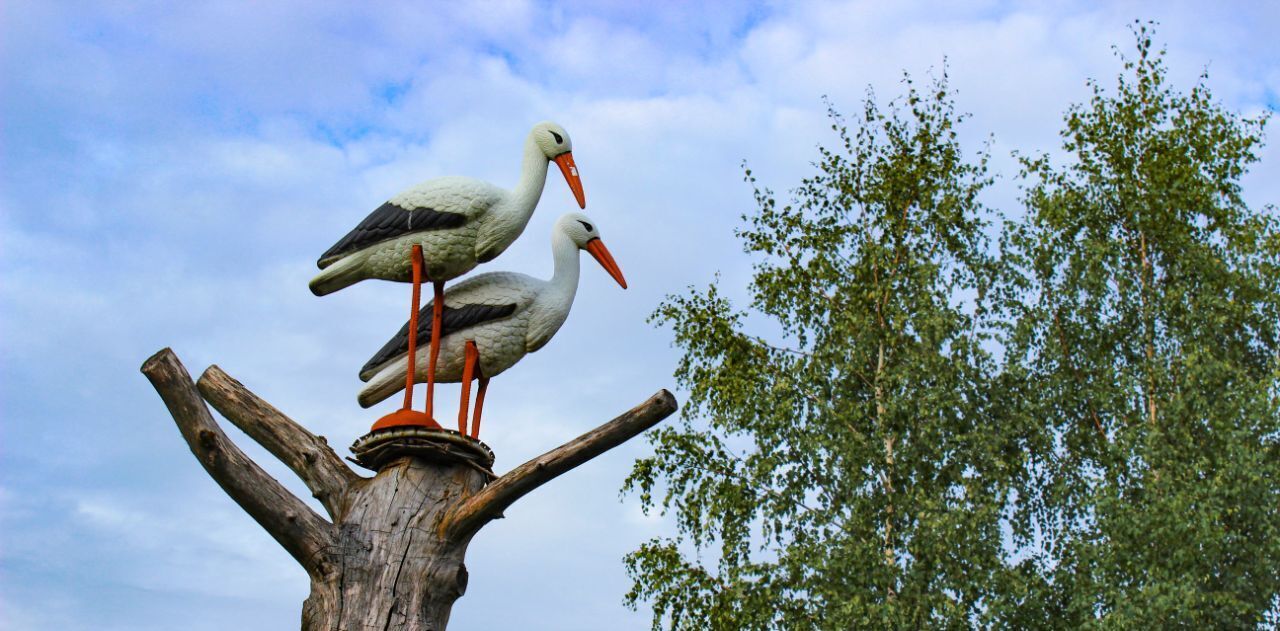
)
(491, 501)
(303, 533)
(306, 454)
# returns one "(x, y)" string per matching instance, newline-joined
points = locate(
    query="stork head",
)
(554, 142)
(584, 234)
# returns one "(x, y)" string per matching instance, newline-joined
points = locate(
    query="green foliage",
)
(853, 478)
(1151, 335)
(910, 427)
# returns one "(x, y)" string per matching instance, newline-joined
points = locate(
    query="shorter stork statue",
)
(491, 321)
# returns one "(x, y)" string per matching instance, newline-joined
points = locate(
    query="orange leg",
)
(437, 317)
(406, 416)
(475, 423)
(409, 378)
(468, 373)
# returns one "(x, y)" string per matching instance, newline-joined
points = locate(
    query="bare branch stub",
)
(308, 455)
(303, 533)
(489, 503)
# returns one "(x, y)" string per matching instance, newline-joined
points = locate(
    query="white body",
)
(541, 308)
(450, 252)
(495, 217)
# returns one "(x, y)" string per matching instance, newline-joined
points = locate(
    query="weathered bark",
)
(395, 569)
(306, 454)
(489, 503)
(392, 558)
(306, 535)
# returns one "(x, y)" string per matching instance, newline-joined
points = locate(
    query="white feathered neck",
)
(551, 308)
(510, 216)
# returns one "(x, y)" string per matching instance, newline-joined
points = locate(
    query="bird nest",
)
(376, 449)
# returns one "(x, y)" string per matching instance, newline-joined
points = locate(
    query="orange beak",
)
(602, 256)
(570, 171)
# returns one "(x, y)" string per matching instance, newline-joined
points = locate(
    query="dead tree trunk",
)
(391, 559)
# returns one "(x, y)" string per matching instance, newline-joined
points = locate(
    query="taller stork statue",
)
(441, 229)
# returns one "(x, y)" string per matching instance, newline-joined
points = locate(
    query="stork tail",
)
(387, 382)
(342, 273)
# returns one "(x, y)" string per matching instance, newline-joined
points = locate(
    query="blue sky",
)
(169, 173)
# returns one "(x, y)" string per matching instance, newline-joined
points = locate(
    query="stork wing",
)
(388, 222)
(437, 204)
(475, 301)
(453, 319)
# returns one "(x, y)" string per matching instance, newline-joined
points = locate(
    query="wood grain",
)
(306, 454)
(303, 533)
(495, 498)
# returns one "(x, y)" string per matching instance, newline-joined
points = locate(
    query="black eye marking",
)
(559, 140)
(586, 225)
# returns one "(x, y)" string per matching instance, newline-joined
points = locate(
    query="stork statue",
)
(437, 231)
(491, 321)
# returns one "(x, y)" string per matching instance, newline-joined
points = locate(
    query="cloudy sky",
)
(169, 173)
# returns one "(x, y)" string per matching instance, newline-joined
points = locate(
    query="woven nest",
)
(375, 449)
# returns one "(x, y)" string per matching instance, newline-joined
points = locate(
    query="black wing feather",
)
(453, 319)
(388, 222)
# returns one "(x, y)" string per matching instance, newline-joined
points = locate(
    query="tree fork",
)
(392, 556)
